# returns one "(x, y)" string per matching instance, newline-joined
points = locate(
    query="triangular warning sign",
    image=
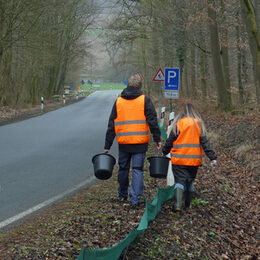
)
(142, 79)
(159, 76)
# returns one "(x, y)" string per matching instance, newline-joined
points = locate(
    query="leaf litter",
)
(222, 223)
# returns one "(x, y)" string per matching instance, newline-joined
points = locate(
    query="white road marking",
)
(44, 204)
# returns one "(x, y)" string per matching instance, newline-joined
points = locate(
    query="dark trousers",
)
(137, 185)
(184, 176)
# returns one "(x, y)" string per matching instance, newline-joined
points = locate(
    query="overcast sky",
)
(107, 7)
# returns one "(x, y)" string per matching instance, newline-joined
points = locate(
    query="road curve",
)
(42, 159)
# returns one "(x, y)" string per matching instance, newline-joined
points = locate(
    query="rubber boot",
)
(188, 194)
(178, 199)
(188, 198)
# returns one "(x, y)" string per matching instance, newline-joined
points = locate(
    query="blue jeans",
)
(137, 185)
(191, 188)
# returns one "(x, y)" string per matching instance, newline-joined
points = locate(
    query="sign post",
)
(171, 90)
(42, 103)
(170, 177)
(171, 118)
(162, 116)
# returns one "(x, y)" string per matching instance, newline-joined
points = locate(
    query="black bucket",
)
(158, 166)
(103, 165)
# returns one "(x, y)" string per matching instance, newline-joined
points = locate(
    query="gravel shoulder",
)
(10, 115)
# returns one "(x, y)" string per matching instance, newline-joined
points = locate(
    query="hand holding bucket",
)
(158, 165)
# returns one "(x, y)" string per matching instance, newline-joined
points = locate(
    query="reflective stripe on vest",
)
(187, 156)
(186, 149)
(132, 133)
(131, 122)
(185, 145)
(130, 125)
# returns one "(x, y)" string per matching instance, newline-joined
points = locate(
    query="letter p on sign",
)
(171, 75)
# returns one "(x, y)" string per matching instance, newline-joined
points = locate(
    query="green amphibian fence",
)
(151, 211)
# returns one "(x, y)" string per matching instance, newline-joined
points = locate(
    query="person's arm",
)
(207, 149)
(110, 134)
(168, 144)
(151, 118)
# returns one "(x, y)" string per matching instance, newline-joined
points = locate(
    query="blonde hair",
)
(134, 81)
(188, 110)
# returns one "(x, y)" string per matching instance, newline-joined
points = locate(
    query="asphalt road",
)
(45, 158)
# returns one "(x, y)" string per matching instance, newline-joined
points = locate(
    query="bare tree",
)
(39, 40)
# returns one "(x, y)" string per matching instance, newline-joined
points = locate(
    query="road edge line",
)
(27, 212)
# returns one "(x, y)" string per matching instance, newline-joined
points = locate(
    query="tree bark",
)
(186, 81)
(254, 45)
(203, 76)
(239, 68)
(202, 67)
(224, 49)
(224, 98)
(193, 72)
(252, 19)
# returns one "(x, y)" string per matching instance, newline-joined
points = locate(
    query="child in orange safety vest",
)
(185, 144)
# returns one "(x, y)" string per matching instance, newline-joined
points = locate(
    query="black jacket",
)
(151, 118)
(203, 142)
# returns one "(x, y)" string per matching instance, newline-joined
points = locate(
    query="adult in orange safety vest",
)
(185, 144)
(132, 118)
(131, 126)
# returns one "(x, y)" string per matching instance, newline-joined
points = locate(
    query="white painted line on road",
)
(43, 204)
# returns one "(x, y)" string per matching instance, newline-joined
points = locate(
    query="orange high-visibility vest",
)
(186, 148)
(130, 125)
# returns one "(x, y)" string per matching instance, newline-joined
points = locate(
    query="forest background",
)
(47, 45)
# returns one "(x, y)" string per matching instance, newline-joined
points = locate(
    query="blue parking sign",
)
(171, 80)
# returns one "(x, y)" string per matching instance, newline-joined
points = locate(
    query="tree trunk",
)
(186, 81)
(254, 47)
(203, 76)
(252, 16)
(145, 65)
(257, 15)
(239, 68)
(193, 72)
(224, 98)
(202, 66)
(224, 50)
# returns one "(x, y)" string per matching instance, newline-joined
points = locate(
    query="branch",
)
(198, 46)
